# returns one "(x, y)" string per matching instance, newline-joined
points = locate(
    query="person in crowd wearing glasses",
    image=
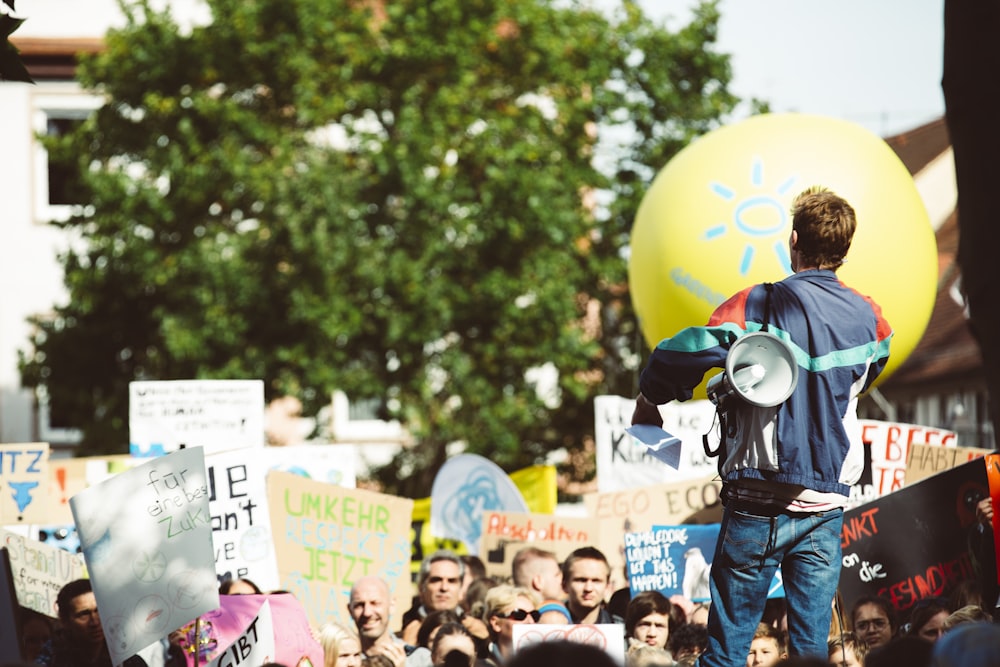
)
(873, 620)
(586, 577)
(504, 607)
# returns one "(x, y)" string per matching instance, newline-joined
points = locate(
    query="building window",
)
(56, 185)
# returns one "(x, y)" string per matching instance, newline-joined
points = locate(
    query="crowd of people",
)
(787, 466)
(461, 617)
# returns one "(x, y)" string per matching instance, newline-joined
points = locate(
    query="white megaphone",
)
(760, 369)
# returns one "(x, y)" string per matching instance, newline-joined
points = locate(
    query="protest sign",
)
(675, 560)
(241, 523)
(219, 628)
(890, 444)
(254, 646)
(692, 501)
(913, 543)
(326, 537)
(926, 460)
(146, 536)
(39, 571)
(605, 636)
(24, 479)
(624, 463)
(214, 414)
(537, 485)
(505, 533)
(10, 631)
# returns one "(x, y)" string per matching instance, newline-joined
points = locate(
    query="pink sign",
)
(219, 628)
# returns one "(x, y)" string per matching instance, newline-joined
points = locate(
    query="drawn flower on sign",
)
(149, 567)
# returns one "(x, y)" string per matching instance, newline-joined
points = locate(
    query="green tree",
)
(389, 198)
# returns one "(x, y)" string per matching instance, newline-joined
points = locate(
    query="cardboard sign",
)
(608, 637)
(913, 543)
(146, 537)
(217, 415)
(505, 533)
(926, 460)
(326, 537)
(39, 571)
(624, 463)
(634, 510)
(254, 646)
(241, 523)
(24, 478)
(890, 449)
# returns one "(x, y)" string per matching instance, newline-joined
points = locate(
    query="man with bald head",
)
(371, 606)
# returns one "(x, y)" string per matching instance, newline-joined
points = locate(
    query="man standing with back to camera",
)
(786, 470)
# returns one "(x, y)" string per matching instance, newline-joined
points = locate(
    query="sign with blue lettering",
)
(24, 480)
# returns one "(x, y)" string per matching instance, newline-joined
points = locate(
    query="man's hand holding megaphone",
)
(646, 412)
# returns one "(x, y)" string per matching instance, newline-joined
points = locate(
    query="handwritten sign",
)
(676, 560)
(504, 533)
(24, 476)
(693, 501)
(39, 571)
(890, 444)
(146, 536)
(926, 460)
(327, 536)
(213, 414)
(221, 627)
(608, 637)
(254, 646)
(624, 463)
(912, 544)
(241, 522)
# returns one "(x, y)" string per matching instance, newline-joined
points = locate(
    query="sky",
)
(877, 63)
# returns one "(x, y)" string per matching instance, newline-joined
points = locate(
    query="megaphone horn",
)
(760, 369)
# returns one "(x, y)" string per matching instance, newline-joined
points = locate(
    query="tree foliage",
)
(395, 199)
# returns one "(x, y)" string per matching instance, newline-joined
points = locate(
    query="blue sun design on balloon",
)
(760, 216)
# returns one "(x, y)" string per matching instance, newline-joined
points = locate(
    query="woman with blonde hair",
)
(341, 646)
(504, 607)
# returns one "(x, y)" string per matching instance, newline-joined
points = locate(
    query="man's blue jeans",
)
(752, 545)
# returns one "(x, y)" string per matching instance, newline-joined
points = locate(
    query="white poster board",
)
(213, 414)
(241, 522)
(609, 637)
(146, 536)
(624, 463)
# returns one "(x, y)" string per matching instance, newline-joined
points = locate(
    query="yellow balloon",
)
(716, 219)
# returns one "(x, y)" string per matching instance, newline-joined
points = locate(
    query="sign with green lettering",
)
(327, 536)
